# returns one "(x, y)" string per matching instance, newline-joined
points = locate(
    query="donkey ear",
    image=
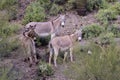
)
(31, 26)
(34, 26)
(67, 15)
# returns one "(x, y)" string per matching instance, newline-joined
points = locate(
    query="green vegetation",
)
(10, 6)
(108, 14)
(6, 47)
(105, 15)
(114, 29)
(106, 38)
(7, 30)
(96, 4)
(55, 9)
(116, 7)
(102, 64)
(7, 3)
(8, 72)
(44, 70)
(34, 12)
(42, 41)
(111, 0)
(92, 31)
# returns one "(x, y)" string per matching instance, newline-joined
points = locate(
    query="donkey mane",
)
(56, 18)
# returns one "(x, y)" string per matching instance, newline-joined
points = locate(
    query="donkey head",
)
(29, 32)
(62, 20)
(78, 33)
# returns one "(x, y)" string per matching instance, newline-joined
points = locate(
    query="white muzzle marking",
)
(79, 38)
(63, 23)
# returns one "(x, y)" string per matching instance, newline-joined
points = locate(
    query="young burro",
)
(63, 43)
(44, 29)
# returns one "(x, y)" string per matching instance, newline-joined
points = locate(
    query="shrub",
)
(116, 7)
(42, 41)
(7, 3)
(104, 65)
(10, 7)
(3, 18)
(60, 2)
(106, 38)
(46, 4)
(8, 29)
(105, 15)
(6, 47)
(9, 72)
(91, 31)
(34, 12)
(12, 12)
(45, 70)
(55, 9)
(69, 5)
(80, 3)
(111, 0)
(96, 4)
(114, 29)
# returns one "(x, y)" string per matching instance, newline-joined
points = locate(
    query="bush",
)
(45, 70)
(116, 7)
(106, 38)
(105, 15)
(11, 7)
(46, 4)
(96, 4)
(9, 72)
(104, 65)
(8, 29)
(111, 0)
(80, 3)
(69, 5)
(92, 31)
(3, 18)
(60, 2)
(114, 29)
(42, 41)
(7, 3)
(6, 47)
(34, 12)
(55, 9)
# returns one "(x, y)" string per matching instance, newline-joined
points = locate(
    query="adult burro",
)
(44, 29)
(63, 43)
(29, 44)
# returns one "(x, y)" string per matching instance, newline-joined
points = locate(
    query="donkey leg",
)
(50, 56)
(31, 61)
(34, 54)
(35, 57)
(65, 55)
(71, 56)
(55, 57)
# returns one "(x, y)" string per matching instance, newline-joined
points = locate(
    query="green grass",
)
(102, 64)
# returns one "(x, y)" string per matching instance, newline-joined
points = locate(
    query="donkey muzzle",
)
(63, 24)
